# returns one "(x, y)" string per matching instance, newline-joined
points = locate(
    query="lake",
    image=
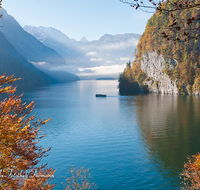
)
(127, 142)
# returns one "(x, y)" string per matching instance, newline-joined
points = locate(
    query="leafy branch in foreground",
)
(182, 26)
(20, 154)
(191, 173)
(79, 179)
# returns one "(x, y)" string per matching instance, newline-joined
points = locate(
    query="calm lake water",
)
(127, 142)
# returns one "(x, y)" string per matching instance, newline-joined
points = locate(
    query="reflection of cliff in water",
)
(170, 128)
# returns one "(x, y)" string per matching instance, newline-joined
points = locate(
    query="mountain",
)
(41, 56)
(90, 58)
(83, 40)
(117, 38)
(55, 39)
(48, 32)
(170, 68)
(108, 50)
(14, 63)
(27, 45)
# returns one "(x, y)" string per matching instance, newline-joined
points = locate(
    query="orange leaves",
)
(80, 179)
(181, 10)
(191, 172)
(174, 34)
(130, 79)
(36, 181)
(45, 121)
(19, 136)
(5, 80)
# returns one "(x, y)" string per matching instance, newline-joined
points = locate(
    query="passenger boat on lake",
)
(100, 95)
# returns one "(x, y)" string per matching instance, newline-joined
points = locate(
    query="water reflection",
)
(170, 128)
(137, 142)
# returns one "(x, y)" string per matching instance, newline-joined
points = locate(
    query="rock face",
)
(153, 65)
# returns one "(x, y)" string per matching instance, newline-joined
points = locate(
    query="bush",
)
(127, 87)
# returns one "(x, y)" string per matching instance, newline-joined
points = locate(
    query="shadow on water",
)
(170, 128)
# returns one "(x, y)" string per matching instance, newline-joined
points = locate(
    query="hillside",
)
(41, 56)
(55, 39)
(26, 44)
(14, 63)
(170, 67)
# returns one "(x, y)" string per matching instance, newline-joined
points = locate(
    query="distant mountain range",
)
(59, 58)
(89, 57)
(18, 49)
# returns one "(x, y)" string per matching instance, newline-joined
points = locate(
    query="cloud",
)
(91, 53)
(39, 63)
(96, 59)
(109, 62)
(70, 69)
(120, 45)
(101, 70)
(124, 58)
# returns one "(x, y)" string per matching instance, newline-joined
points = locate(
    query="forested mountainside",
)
(163, 65)
(14, 63)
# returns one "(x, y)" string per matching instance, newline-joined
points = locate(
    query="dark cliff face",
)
(152, 47)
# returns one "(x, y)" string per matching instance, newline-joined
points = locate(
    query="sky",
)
(81, 18)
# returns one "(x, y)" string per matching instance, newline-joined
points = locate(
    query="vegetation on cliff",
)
(183, 28)
(191, 173)
(185, 52)
(130, 81)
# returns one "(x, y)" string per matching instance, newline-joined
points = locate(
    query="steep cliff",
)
(153, 65)
(171, 67)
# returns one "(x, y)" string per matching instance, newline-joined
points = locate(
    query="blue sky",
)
(89, 18)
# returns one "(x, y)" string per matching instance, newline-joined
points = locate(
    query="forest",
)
(161, 28)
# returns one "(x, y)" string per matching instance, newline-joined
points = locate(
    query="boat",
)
(100, 95)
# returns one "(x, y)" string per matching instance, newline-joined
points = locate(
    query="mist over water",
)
(127, 142)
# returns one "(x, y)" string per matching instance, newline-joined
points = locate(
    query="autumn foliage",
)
(185, 28)
(20, 154)
(131, 79)
(185, 48)
(79, 179)
(191, 173)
